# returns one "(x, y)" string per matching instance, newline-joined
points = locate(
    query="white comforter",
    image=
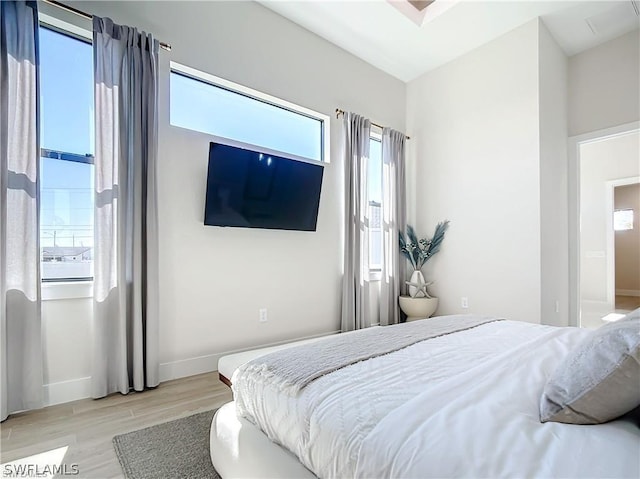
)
(461, 405)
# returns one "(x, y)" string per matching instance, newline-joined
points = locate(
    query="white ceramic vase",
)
(417, 278)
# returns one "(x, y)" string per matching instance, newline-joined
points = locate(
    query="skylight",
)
(420, 4)
(421, 12)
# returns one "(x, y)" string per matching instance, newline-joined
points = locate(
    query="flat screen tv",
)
(253, 189)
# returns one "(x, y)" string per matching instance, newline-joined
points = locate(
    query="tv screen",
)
(251, 189)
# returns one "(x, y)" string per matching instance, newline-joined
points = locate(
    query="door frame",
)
(574, 145)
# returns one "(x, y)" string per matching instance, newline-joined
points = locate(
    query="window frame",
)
(87, 159)
(65, 28)
(256, 95)
(66, 156)
(79, 287)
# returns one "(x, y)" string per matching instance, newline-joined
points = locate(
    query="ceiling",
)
(399, 39)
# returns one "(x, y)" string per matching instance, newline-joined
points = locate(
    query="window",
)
(66, 164)
(208, 104)
(374, 182)
(623, 220)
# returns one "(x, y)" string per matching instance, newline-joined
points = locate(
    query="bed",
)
(461, 404)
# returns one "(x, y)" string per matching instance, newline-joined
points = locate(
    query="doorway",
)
(626, 245)
(601, 162)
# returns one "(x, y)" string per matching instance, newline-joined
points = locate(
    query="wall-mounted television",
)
(255, 189)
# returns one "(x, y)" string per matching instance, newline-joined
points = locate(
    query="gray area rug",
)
(175, 449)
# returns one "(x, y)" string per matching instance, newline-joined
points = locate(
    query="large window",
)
(211, 105)
(374, 182)
(66, 165)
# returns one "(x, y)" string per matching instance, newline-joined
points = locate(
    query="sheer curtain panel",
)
(20, 335)
(393, 222)
(355, 302)
(126, 214)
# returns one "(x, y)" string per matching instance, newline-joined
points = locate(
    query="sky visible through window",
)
(204, 107)
(66, 124)
(375, 170)
(374, 181)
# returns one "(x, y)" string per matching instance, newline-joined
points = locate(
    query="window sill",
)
(67, 290)
(375, 275)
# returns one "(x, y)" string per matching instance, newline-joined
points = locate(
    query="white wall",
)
(490, 154)
(66, 329)
(600, 161)
(554, 231)
(474, 154)
(214, 280)
(603, 85)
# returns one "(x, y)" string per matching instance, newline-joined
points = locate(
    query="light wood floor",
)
(627, 302)
(87, 426)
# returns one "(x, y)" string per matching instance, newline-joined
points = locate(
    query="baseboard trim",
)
(74, 389)
(628, 292)
(209, 363)
(595, 305)
(67, 391)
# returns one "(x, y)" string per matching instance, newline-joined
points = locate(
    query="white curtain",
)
(355, 302)
(20, 335)
(393, 222)
(126, 214)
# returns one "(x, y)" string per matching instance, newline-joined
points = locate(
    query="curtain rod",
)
(88, 16)
(341, 112)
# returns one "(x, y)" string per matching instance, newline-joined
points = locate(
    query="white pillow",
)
(600, 379)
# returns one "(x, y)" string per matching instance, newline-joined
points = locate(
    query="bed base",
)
(239, 449)
(224, 379)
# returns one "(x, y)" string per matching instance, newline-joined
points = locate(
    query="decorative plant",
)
(419, 251)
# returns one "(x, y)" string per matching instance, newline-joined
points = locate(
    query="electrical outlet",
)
(557, 306)
(464, 302)
(263, 315)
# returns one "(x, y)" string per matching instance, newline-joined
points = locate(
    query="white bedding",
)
(468, 408)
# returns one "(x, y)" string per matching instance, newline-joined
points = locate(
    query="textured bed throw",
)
(293, 368)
